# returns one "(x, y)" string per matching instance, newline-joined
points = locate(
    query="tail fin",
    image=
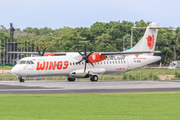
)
(148, 41)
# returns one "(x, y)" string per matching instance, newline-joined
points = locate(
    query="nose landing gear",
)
(71, 79)
(20, 79)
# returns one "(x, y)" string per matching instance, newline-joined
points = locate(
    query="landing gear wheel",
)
(71, 79)
(94, 78)
(21, 80)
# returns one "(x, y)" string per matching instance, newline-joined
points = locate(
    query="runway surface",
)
(65, 87)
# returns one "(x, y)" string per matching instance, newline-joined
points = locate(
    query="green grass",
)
(154, 71)
(137, 74)
(6, 67)
(120, 106)
(7, 77)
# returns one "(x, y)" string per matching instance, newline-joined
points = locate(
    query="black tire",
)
(94, 78)
(21, 80)
(71, 79)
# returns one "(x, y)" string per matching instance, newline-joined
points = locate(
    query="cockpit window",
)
(22, 62)
(28, 62)
(31, 62)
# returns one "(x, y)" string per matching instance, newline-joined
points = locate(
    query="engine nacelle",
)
(96, 57)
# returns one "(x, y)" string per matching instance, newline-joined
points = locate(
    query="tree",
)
(105, 44)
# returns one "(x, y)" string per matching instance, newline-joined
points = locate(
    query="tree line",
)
(99, 37)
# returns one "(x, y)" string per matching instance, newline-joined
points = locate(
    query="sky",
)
(56, 14)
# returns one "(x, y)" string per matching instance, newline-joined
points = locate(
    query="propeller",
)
(39, 51)
(85, 57)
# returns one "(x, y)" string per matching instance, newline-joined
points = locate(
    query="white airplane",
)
(83, 65)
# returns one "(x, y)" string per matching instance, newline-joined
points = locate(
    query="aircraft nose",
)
(14, 71)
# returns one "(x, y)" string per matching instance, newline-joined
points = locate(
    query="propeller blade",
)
(91, 63)
(38, 49)
(85, 50)
(44, 51)
(89, 54)
(79, 52)
(85, 67)
(79, 61)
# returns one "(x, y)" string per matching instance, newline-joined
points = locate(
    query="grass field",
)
(120, 106)
(5, 68)
(137, 74)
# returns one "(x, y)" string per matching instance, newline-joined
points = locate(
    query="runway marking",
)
(26, 89)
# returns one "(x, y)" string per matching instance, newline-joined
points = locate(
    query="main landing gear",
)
(94, 78)
(71, 79)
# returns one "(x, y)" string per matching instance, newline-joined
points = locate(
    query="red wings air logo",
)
(52, 65)
(150, 41)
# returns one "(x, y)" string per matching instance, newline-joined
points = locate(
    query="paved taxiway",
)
(65, 87)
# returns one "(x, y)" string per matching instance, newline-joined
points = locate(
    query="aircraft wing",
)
(35, 53)
(101, 53)
(128, 52)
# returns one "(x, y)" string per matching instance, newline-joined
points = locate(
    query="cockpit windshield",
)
(22, 62)
(26, 62)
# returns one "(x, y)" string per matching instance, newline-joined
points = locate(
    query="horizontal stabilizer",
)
(170, 27)
(162, 27)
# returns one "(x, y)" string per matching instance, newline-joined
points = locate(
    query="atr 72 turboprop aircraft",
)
(84, 65)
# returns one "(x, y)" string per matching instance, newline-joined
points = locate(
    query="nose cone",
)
(14, 71)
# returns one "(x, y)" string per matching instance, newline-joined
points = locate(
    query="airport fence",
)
(126, 77)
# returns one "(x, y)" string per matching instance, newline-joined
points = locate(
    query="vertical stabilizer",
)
(148, 41)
